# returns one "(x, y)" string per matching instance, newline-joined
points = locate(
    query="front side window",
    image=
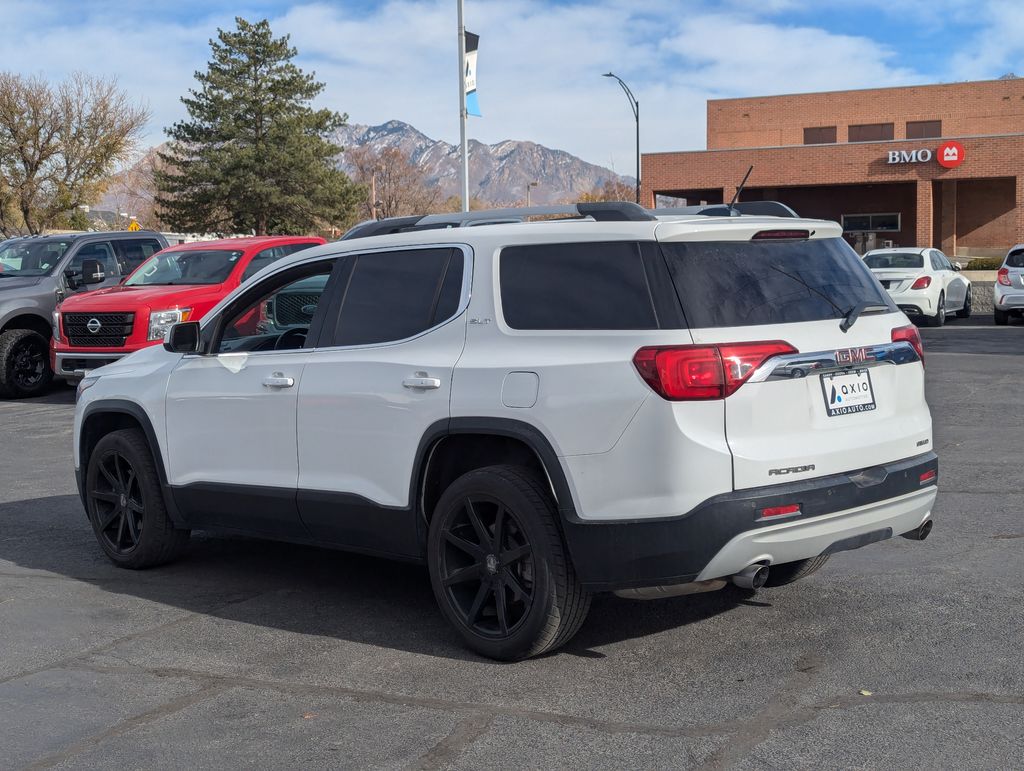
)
(280, 316)
(747, 283)
(132, 252)
(100, 251)
(191, 266)
(391, 296)
(22, 257)
(576, 286)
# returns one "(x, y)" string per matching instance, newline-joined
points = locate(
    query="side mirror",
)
(74, 280)
(183, 337)
(957, 266)
(92, 272)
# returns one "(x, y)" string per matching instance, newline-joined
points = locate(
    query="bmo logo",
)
(949, 155)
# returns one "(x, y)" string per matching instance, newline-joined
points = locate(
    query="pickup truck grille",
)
(112, 332)
(288, 308)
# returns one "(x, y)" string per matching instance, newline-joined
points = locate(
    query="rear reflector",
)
(922, 283)
(780, 511)
(910, 334)
(764, 235)
(695, 372)
(928, 476)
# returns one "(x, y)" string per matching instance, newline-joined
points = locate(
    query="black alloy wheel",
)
(118, 503)
(487, 566)
(499, 568)
(965, 312)
(24, 363)
(125, 504)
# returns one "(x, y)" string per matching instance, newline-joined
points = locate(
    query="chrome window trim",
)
(799, 365)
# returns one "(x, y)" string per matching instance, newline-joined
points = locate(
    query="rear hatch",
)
(837, 401)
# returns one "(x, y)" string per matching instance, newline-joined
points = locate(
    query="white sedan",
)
(922, 282)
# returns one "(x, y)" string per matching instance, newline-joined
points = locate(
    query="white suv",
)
(651, 405)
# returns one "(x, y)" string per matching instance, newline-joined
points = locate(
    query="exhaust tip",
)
(920, 532)
(752, 576)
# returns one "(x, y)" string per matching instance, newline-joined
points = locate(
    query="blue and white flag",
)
(472, 105)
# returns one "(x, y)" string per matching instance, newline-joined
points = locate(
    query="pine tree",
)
(254, 155)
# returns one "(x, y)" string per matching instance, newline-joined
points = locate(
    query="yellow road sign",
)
(134, 226)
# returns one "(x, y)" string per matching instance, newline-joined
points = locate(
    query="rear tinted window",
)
(1015, 260)
(744, 283)
(894, 260)
(576, 286)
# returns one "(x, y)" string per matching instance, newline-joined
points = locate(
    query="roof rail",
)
(603, 211)
(762, 208)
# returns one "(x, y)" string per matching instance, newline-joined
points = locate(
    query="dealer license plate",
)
(847, 392)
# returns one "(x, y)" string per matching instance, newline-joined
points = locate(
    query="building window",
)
(871, 223)
(924, 129)
(820, 135)
(871, 132)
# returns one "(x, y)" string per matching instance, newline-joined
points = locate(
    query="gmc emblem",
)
(852, 356)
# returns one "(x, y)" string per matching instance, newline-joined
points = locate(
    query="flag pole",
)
(463, 143)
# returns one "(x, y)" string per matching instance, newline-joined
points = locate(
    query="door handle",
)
(422, 381)
(278, 380)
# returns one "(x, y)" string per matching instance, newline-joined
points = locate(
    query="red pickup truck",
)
(180, 283)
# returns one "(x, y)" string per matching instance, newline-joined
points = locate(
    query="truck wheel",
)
(940, 313)
(788, 572)
(126, 505)
(24, 364)
(1002, 318)
(965, 312)
(498, 565)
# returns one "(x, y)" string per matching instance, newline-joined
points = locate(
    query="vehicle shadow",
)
(974, 335)
(303, 589)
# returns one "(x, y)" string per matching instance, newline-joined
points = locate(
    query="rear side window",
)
(746, 283)
(132, 252)
(1015, 259)
(595, 285)
(392, 296)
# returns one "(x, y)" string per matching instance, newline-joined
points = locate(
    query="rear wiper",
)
(854, 313)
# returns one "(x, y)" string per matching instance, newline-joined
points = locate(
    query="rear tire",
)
(788, 572)
(125, 503)
(965, 312)
(940, 316)
(499, 568)
(1002, 318)
(24, 364)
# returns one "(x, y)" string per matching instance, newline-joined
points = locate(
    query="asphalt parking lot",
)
(899, 655)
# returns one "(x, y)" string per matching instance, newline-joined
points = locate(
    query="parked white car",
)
(621, 401)
(923, 282)
(1008, 295)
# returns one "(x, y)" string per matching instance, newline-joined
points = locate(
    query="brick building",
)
(939, 165)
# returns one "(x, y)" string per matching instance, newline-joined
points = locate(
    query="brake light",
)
(912, 336)
(922, 283)
(765, 235)
(1003, 276)
(697, 372)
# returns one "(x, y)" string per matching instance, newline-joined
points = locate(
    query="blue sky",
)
(540, 62)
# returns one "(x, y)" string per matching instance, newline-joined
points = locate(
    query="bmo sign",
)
(949, 155)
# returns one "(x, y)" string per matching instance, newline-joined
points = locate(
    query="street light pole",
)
(528, 186)
(635, 105)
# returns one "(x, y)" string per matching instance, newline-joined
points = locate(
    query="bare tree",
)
(611, 190)
(132, 189)
(395, 185)
(58, 144)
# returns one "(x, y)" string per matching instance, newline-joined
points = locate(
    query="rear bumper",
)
(1008, 298)
(723, 535)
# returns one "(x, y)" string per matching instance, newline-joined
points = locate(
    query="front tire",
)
(965, 312)
(940, 314)
(24, 364)
(498, 565)
(126, 505)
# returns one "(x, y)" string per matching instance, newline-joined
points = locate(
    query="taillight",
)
(922, 283)
(694, 372)
(790, 235)
(912, 336)
(1003, 276)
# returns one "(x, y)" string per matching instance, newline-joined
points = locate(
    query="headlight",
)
(56, 326)
(161, 321)
(84, 384)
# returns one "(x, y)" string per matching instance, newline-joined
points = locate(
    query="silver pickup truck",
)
(36, 273)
